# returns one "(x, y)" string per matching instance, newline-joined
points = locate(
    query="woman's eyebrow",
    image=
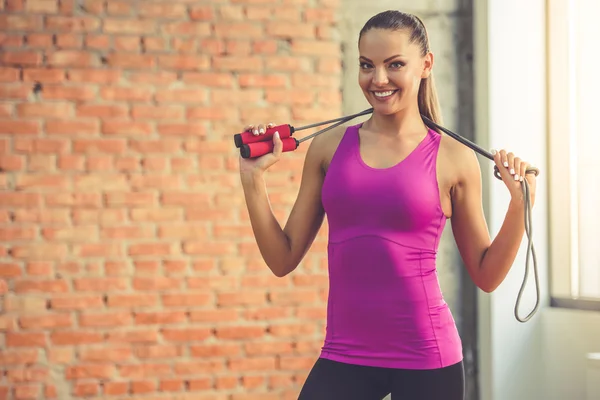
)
(386, 60)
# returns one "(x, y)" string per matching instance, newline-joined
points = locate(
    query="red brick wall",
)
(128, 266)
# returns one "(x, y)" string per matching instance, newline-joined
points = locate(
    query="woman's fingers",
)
(258, 129)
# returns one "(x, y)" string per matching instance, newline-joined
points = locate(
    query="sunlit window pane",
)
(587, 90)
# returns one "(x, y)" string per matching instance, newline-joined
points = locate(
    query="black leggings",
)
(331, 380)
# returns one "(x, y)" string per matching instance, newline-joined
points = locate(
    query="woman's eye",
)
(364, 65)
(396, 65)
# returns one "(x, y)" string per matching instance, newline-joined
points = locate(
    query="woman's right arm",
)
(283, 249)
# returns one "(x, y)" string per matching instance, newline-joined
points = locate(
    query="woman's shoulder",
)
(326, 144)
(457, 157)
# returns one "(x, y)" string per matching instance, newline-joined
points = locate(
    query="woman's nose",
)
(380, 77)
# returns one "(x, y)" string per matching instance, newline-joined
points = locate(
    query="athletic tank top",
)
(385, 305)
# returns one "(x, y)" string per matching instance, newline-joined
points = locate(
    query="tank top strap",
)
(348, 143)
(350, 139)
(426, 153)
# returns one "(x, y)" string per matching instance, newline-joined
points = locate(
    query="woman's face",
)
(391, 69)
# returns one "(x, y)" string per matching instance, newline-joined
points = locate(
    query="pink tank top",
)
(385, 305)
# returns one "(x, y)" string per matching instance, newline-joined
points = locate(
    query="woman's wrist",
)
(251, 178)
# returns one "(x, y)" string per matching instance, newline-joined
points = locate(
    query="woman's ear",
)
(427, 65)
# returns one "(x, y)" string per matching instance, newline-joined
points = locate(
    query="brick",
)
(94, 41)
(187, 300)
(240, 332)
(202, 13)
(100, 284)
(155, 44)
(131, 61)
(27, 392)
(11, 163)
(14, 91)
(39, 40)
(105, 319)
(18, 357)
(144, 371)
(155, 112)
(120, 199)
(195, 29)
(94, 76)
(40, 251)
(116, 388)
(129, 26)
(41, 181)
(73, 200)
(71, 93)
(10, 270)
(127, 43)
(314, 47)
(104, 353)
(126, 94)
(21, 58)
(267, 81)
(91, 371)
(71, 58)
(160, 318)
(99, 146)
(126, 128)
(68, 41)
(7, 323)
(19, 127)
(238, 64)
(11, 40)
(238, 30)
(162, 10)
(133, 336)
(184, 62)
(86, 389)
(71, 338)
(17, 22)
(40, 322)
(72, 24)
(132, 301)
(194, 129)
(140, 387)
(291, 31)
(14, 339)
(44, 110)
(71, 127)
(208, 79)
(102, 111)
(9, 74)
(6, 111)
(186, 334)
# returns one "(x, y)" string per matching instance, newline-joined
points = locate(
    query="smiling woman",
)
(387, 187)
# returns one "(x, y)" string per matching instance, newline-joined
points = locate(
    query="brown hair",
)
(396, 20)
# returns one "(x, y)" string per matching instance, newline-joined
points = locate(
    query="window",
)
(574, 151)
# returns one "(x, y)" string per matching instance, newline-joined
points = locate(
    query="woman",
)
(387, 186)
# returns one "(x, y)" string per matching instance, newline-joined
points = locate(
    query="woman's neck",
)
(406, 122)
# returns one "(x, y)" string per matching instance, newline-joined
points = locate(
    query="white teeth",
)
(383, 94)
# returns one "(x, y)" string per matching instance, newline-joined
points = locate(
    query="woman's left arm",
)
(488, 262)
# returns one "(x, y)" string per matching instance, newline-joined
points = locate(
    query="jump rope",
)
(252, 146)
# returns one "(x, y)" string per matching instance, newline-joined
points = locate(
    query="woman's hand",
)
(258, 165)
(513, 171)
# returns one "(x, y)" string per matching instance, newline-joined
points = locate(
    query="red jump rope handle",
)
(243, 138)
(257, 149)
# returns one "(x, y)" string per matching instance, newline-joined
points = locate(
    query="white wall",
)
(568, 336)
(510, 98)
(544, 358)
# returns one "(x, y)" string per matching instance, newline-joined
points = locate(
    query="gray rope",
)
(530, 252)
